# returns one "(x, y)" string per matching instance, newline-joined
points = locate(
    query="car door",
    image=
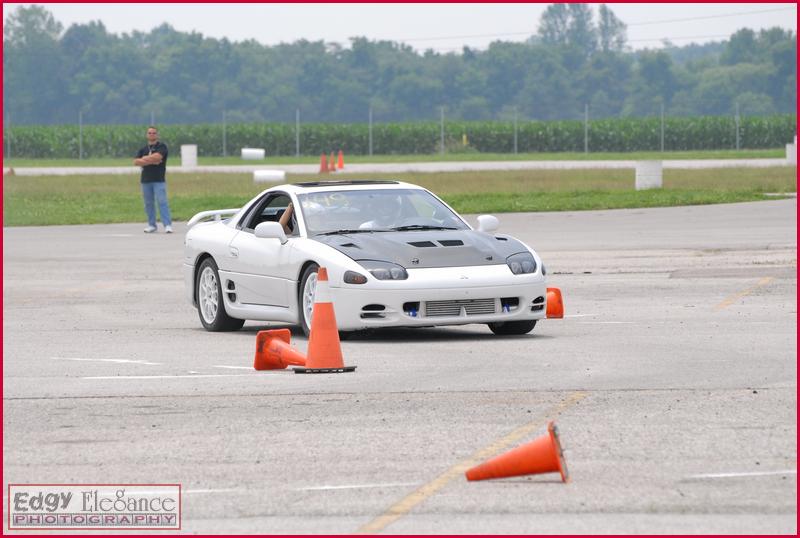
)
(260, 267)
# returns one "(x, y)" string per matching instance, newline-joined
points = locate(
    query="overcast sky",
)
(442, 27)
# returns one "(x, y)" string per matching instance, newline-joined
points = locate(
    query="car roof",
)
(334, 185)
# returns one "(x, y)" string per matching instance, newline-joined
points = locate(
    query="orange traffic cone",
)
(542, 455)
(273, 351)
(323, 164)
(340, 164)
(555, 305)
(332, 163)
(324, 349)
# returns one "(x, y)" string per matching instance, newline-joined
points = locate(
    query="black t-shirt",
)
(154, 172)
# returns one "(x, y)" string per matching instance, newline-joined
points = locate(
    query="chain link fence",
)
(442, 134)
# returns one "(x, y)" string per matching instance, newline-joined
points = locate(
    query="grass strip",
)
(51, 200)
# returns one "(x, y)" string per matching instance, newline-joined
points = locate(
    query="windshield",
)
(375, 210)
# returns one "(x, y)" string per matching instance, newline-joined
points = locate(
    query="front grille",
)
(472, 307)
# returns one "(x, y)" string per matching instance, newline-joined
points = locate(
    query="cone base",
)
(562, 463)
(324, 370)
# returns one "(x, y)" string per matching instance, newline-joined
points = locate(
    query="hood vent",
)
(451, 242)
(501, 238)
(421, 244)
(349, 245)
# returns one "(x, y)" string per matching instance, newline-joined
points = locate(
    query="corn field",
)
(280, 139)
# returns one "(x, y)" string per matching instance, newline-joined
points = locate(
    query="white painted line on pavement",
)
(607, 322)
(358, 486)
(156, 492)
(734, 475)
(167, 376)
(580, 315)
(198, 491)
(233, 367)
(125, 361)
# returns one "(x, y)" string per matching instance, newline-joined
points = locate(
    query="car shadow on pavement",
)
(405, 334)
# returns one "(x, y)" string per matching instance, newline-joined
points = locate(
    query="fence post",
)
(8, 135)
(737, 126)
(441, 131)
(662, 127)
(586, 128)
(297, 132)
(80, 135)
(515, 131)
(224, 134)
(370, 130)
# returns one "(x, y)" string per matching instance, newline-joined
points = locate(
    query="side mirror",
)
(271, 230)
(488, 223)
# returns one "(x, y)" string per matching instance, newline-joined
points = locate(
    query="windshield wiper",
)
(422, 227)
(342, 232)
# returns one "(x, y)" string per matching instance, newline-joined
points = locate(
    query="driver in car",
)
(385, 209)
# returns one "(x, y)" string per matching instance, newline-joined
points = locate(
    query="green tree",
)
(33, 76)
(654, 82)
(51, 74)
(569, 27)
(718, 88)
(611, 32)
(740, 48)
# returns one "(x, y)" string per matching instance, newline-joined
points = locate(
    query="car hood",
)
(423, 249)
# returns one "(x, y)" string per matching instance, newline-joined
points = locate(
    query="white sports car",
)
(397, 256)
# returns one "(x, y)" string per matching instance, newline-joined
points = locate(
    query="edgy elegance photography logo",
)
(94, 506)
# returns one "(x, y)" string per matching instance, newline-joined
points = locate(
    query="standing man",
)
(153, 160)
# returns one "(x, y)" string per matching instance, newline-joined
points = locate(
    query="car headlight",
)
(522, 263)
(351, 277)
(384, 270)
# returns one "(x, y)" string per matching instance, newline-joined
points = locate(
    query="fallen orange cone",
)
(273, 351)
(542, 455)
(323, 164)
(555, 305)
(324, 349)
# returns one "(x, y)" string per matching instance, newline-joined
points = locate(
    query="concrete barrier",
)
(253, 154)
(269, 176)
(791, 153)
(648, 175)
(188, 156)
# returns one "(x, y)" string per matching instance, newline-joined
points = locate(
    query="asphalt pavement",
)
(672, 378)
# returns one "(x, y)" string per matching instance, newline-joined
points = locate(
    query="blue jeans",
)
(152, 192)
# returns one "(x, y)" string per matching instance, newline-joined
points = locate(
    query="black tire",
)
(507, 328)
(311, 270)
(211, 306)
(307, 273)
(344, 335)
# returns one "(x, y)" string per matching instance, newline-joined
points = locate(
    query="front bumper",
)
(361, 308)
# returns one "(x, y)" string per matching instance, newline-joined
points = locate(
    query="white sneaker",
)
(150, 229)
(168, 229)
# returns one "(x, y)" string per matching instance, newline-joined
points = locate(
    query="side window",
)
(269, 210)
(255, 208)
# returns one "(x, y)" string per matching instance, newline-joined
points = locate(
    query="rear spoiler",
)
(216, 213)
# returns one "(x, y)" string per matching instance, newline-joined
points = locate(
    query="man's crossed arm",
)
(153, 158)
